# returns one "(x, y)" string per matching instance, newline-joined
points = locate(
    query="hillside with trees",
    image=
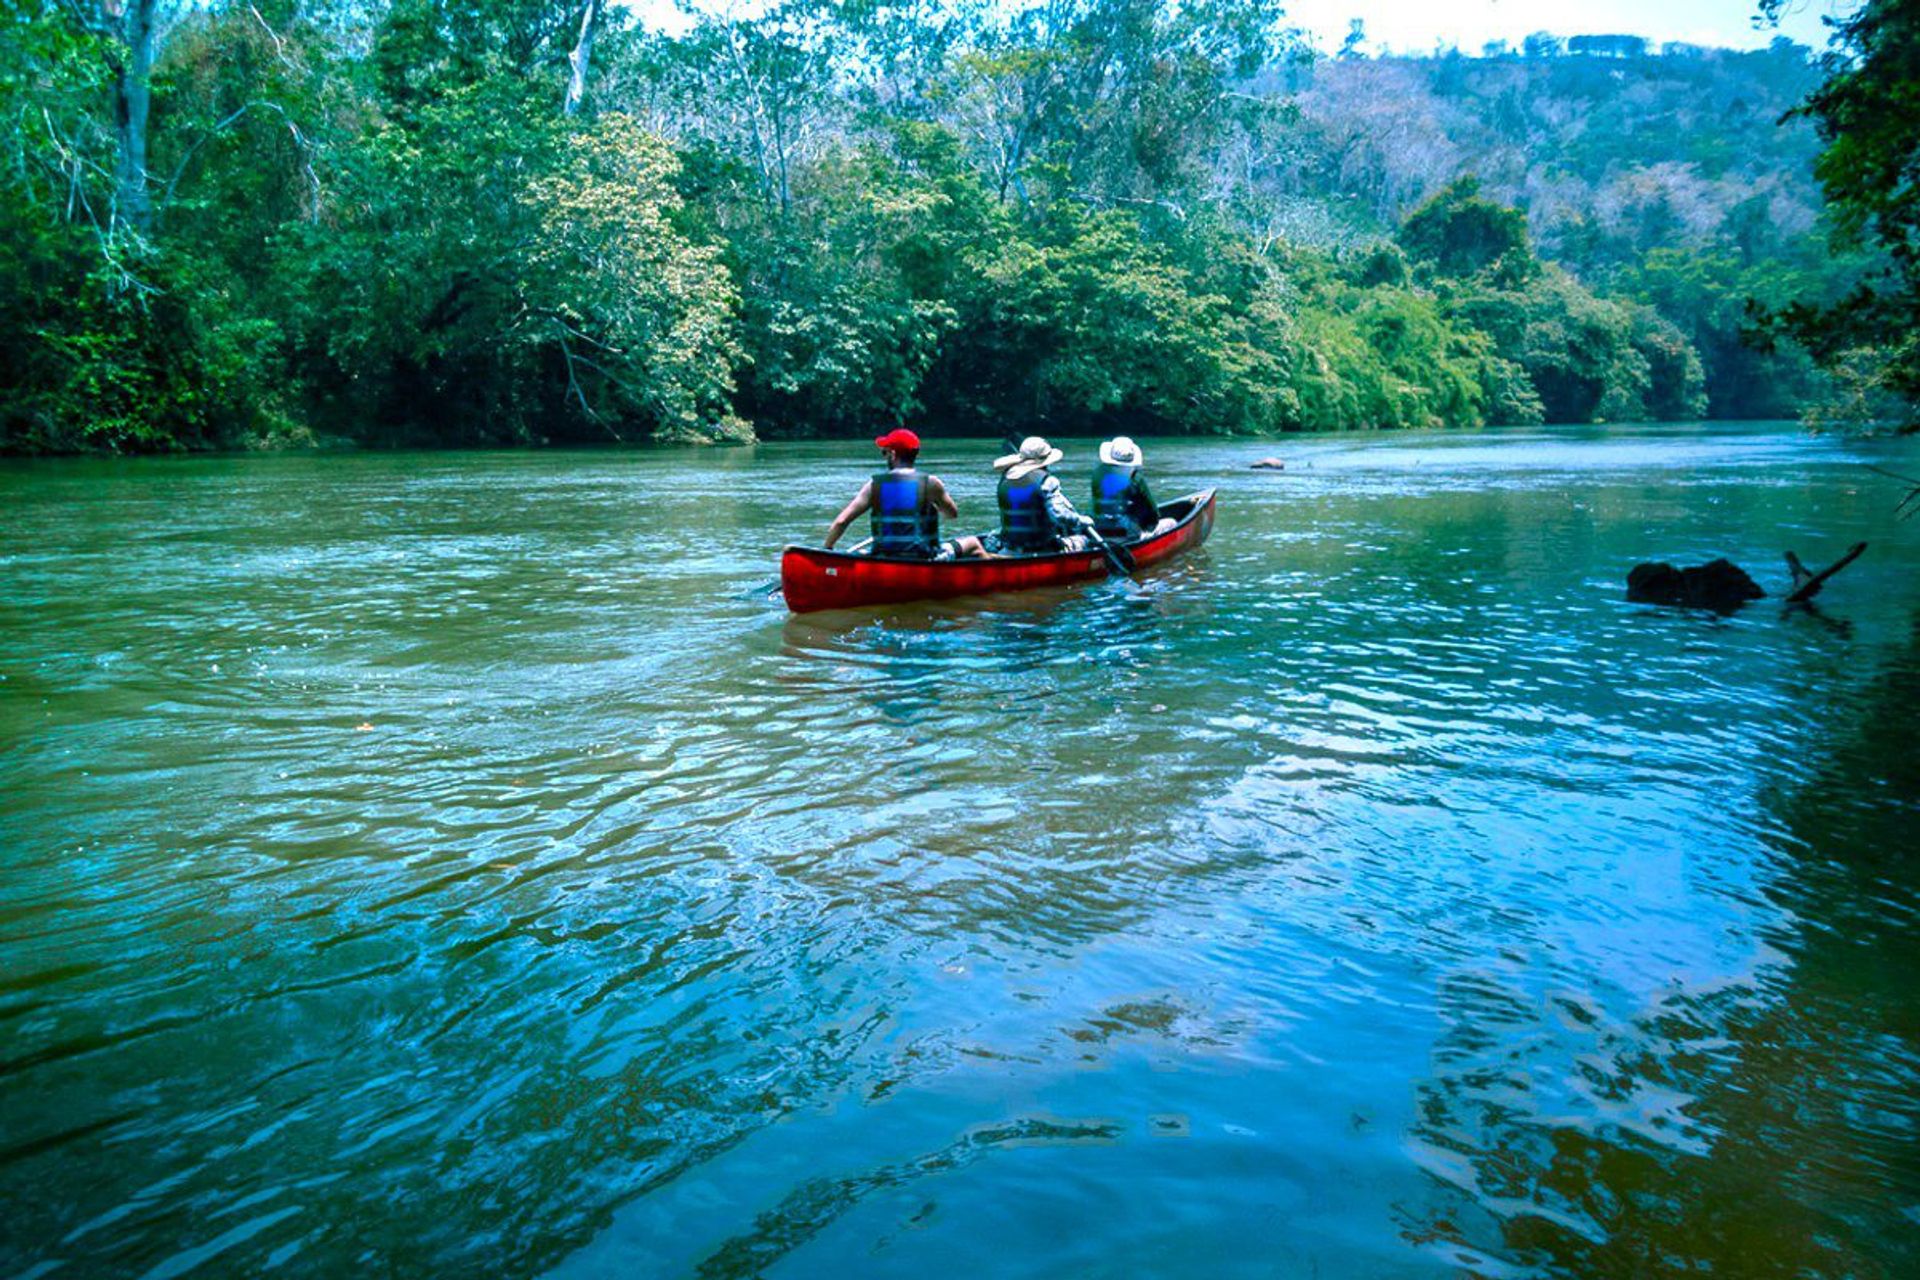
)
(514, 221)
(1672, 176)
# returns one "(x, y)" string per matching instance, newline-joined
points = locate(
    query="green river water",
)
(456, 865)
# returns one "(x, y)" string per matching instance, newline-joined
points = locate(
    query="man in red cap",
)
(906, 505)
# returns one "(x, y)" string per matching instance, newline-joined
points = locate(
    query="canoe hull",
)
(814, 580)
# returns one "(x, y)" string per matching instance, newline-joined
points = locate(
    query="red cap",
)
(899, 438)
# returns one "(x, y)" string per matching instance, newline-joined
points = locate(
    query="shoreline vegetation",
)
(509, 222)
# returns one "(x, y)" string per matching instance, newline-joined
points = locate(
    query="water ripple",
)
(456, 863)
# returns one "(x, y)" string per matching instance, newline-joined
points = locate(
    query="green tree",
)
(1460, 232)
(1110, 102)
(111, 337)
(1706, 296)
(610, 271)
(1384, 357)
(1868, 114)
(847, 302)
(496, 274)
(1588, 358)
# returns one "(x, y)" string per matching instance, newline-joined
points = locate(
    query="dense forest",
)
(520, 221)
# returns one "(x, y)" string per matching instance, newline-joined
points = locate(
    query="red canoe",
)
(813, 580)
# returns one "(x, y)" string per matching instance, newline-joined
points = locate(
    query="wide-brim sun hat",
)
(1035, 453)
(1121, 451)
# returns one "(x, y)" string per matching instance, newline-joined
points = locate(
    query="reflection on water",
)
(1763, 1127)
(449, 864)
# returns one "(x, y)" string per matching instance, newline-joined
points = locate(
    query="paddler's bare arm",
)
(853, 511)
(942, 500)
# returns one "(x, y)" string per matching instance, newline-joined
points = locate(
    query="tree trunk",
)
(578, 59)
(133, 101)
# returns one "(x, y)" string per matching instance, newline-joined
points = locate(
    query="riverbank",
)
(301, 442)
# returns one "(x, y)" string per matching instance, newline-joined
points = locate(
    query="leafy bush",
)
(1588, 358)
(499, 276)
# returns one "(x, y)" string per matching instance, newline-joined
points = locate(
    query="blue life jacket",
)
(1025, 523)
(1112, 501)
(904, 520)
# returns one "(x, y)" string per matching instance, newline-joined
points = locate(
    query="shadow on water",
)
(819, 1202)
(850, 627)
(1750, 1129)
(1158, 588)
(900, 657)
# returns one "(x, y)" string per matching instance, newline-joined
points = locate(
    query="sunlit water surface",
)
(457, 864)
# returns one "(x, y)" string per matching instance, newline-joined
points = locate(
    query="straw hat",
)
(1121, 451)
(1034, 454)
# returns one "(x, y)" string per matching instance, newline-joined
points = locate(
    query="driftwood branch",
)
(1807, 585)
(1913, 493)
(279, 45)
(573, 381)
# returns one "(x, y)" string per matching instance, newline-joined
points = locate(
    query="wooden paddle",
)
(1118, 558)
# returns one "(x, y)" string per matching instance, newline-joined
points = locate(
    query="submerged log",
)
(1723, 586)
(1807, 585)
(1719, 585)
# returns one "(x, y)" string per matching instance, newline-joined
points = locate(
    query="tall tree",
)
(132, 59)
(578, 60)
(1461, 232)
(762, 87)
(1117, 102)
(1868, 114)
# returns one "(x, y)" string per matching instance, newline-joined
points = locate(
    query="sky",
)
(1418, 26)
(1409, 26)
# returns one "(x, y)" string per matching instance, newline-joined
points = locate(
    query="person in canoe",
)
(1123, 506)
(1036, 519)
(905, 504)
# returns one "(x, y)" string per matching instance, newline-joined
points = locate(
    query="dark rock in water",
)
(1270, 464)
(1719, 585)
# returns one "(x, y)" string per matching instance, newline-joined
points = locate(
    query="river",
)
(457, 864)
